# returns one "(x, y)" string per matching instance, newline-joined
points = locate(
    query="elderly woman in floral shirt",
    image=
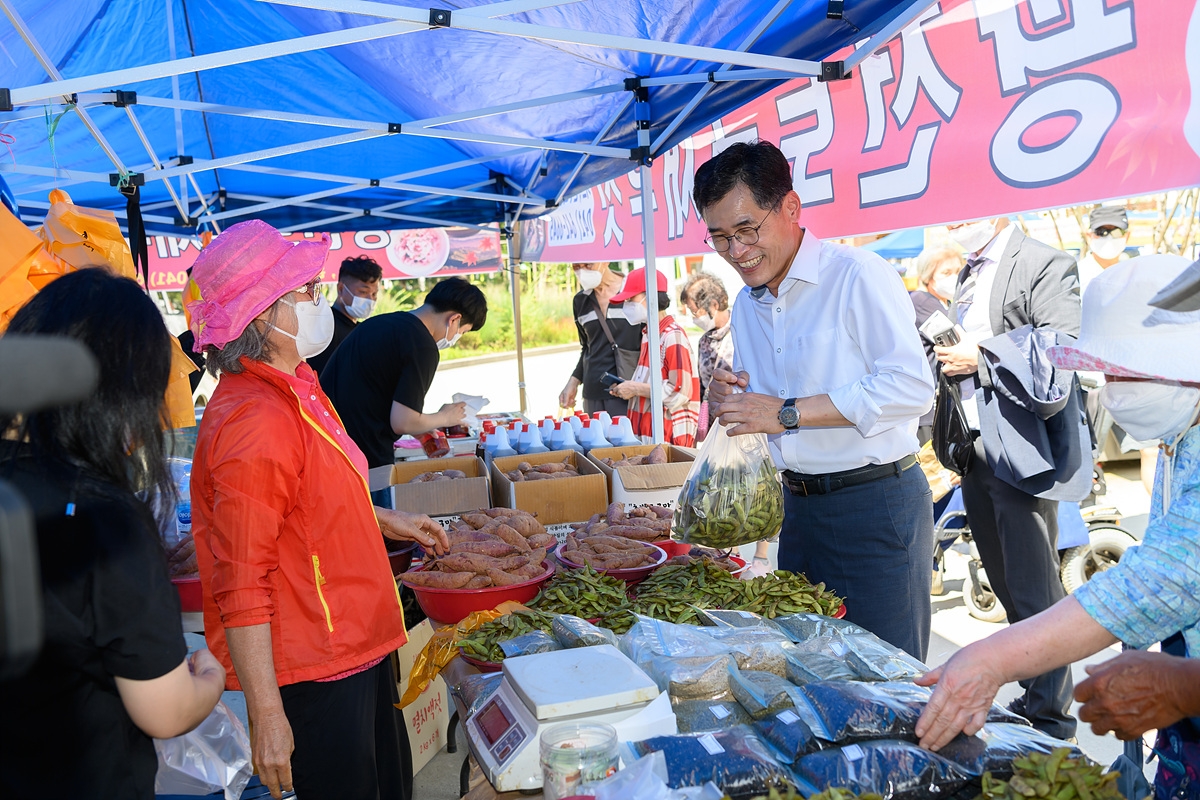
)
(708, 303)
(1152, 364)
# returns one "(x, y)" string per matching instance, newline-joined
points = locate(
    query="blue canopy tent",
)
(334, 115)
(901, 244)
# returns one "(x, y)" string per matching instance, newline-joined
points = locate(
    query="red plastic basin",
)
(401, 557)
(191, 597)
(630, 576)
(452, 605)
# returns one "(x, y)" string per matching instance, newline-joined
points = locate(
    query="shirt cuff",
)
(856, 406)
(242, 607)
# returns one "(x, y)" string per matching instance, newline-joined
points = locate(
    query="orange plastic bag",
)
(443, 647)
(179, 390)
(85, 237)
(18, 245)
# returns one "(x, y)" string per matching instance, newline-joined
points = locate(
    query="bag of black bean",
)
(894, 770)
(735, 760)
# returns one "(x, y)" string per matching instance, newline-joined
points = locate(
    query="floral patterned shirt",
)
(715, 351)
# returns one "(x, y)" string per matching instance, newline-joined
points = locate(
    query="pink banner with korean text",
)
(410, 253)
(978, 108)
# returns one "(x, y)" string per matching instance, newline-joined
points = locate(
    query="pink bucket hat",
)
(1122, 334)
(242, 272)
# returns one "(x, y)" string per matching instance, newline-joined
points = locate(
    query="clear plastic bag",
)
(720, 618)
(875, 659)
(788, 734)
(891, 769)
(646, 779)
(757, 648)
(578, 632)
(732, 495)
(997, 745)
(650, 637)
(759, 692)
(807, 664)
(529, 643)
(701, 716)
(735, 760)
(849, 711)
(214, 757)
(474, 690)
(692, 677)
(802, 627)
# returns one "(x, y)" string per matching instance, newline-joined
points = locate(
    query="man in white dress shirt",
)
(1009, 281)
(834, 373)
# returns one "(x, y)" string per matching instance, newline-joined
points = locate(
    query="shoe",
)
(1018, 707)
(937, 587)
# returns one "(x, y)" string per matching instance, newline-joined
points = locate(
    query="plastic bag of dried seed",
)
(701, 716)
(759, 692)
(894, 770)
(997, 745)
(735, 760)
(788, 734)
(849, 711)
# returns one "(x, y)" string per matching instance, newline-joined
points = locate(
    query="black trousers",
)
(615, 406)
(351, 743)
(1017, 537)
(872, 544)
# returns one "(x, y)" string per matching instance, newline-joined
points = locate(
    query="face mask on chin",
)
(588, 279)
(314, 326)
(975, 236)
(446, 341)
(1150, 410)
(1107, 247)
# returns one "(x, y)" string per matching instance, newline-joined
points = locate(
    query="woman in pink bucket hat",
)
(1151, 358)
(300, 605)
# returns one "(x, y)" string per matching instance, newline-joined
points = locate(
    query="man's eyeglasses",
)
(312, 289)
(748, 235)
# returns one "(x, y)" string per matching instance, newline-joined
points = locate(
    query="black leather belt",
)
(805, 485)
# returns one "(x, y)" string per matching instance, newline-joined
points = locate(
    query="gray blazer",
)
(1035, 285)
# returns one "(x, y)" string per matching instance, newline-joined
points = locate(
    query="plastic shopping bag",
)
(215, 757)
(85, 237)
(443, 647)
(732, 495)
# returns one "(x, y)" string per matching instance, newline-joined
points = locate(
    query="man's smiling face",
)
(767, 260)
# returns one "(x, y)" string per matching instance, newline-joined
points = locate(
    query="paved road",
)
(545, 376)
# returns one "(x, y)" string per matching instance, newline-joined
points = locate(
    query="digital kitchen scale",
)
(586, 684)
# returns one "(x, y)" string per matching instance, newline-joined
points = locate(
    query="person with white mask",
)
(357, 292)
(1107, 237)
(1152, 363)
(1011, 280)
(380, 375)
(937, 271)
(608, 343)
(300, 605)
(708, 303)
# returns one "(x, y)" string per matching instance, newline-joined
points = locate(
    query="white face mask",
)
(945, 286)
(445, 341)
(973, 237)
(1107, 247)
(1151, 409)
(588, 279)
(704, 322)
(635, 313)
(314, 324)
(359, 307)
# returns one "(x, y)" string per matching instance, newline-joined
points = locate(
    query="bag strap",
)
(600, 317)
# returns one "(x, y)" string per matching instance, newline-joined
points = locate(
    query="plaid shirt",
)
(681, 388)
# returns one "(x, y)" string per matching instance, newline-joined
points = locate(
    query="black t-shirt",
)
(343, 326)
(387, 358)
(596, 355)
(110, 611)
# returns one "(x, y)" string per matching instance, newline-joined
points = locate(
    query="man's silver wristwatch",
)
(789, 415)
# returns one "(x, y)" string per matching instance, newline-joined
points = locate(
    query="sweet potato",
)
(476, 520)
(438, 580)
(524, 466)
(503, 578)
(496, 549)
(477, 564)
(553, 467)
(516, 476)
(536, 556)
(635, 532)
(526, 526)
(454, 474)
(657, 456)
(529, 571)
(479, 582)
(509, 535)
(543, 540)
(468, 534)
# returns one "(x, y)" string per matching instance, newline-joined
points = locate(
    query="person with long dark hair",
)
(114, 669)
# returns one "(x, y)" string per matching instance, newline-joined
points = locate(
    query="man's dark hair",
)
(365, 268)
(759, 166)
(456, 294)
(124, 330)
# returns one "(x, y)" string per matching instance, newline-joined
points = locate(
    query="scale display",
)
(497, 726)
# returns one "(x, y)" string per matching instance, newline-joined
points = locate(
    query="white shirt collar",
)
(806, 266)
(994, 251)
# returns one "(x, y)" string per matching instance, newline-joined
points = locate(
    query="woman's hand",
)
(401, 526)
(1136, 692)
(627, 390)
(966, 687)
(271, 747)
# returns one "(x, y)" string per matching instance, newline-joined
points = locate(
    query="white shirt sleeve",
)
(879, 318)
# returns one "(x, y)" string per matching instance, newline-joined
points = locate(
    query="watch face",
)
(789, 416)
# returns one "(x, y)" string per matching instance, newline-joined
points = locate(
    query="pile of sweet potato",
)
(656, 456)
(644, 524)
(556, 469)
(609, 552)
(444, 475)
(491, 547)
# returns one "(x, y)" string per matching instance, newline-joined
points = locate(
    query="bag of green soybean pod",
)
(732, 495)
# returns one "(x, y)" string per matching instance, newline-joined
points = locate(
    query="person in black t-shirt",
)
(597, 354)
(378, 378)
(357, 290)
(113, 670)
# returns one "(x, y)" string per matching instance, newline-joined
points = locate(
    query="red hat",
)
(635, 283)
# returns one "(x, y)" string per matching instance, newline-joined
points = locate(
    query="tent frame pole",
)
(514, 278)
(641, 113)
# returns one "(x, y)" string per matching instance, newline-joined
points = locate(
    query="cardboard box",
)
(444, 501)
(428, 717)
(556, 502)
(650, 484)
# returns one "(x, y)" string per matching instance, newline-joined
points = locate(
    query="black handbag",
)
(953, 443)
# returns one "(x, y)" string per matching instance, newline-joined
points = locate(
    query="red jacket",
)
(285, 530)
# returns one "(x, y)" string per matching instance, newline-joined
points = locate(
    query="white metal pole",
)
(514, 276)
(642, 115)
